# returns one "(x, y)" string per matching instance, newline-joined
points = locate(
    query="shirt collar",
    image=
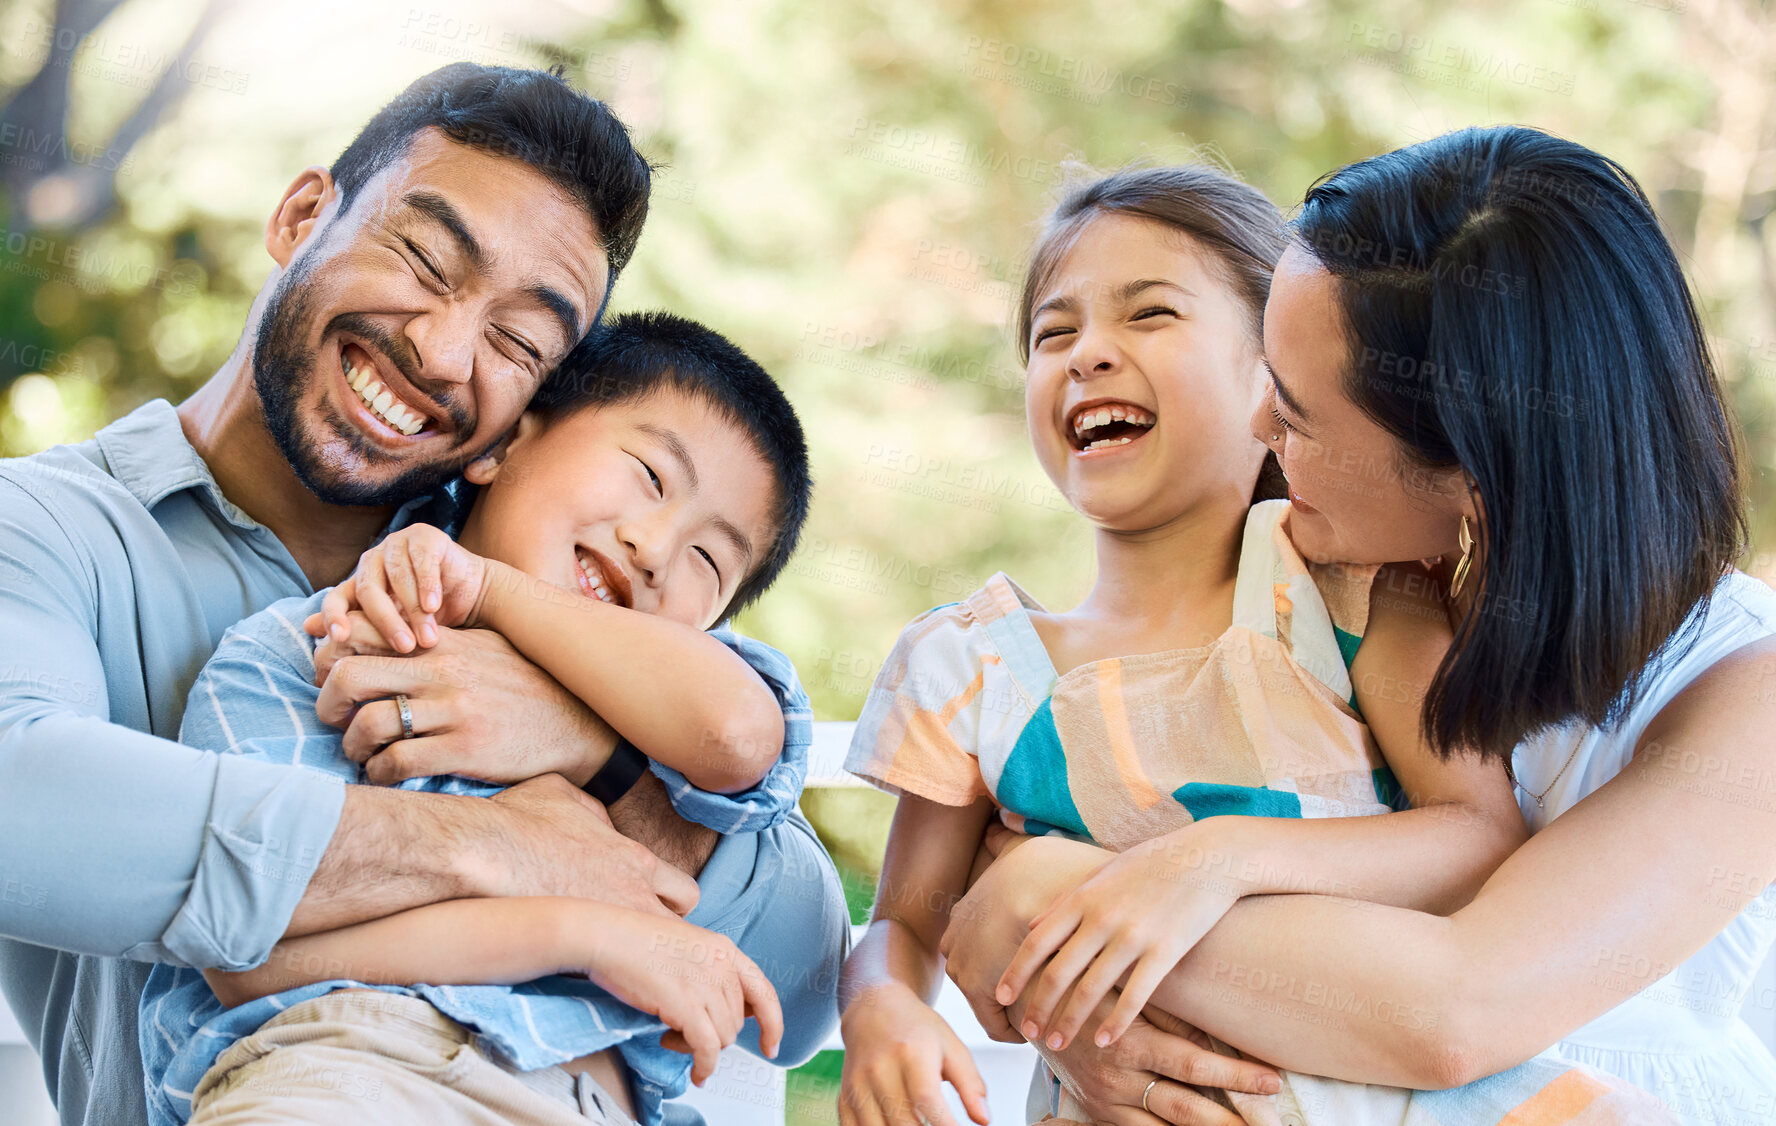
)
(147, 452)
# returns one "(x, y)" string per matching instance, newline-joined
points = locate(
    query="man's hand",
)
(479, 709)
(554, 839)
(544, 837)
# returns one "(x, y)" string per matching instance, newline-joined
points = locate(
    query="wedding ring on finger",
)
(406, 711)
(1150, 1085)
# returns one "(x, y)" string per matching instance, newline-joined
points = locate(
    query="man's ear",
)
(298, 213)
(486, 469)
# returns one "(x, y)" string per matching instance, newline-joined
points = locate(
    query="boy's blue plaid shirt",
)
(256, 697)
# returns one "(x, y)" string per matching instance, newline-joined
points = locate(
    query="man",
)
(461, 245)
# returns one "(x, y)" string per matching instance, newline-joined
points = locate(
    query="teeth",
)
(1101, 442)
(1103, 416)
(383, 402)
(597, 581)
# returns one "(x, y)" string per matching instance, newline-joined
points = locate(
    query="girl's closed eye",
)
(1153, 311)
(1281, 421)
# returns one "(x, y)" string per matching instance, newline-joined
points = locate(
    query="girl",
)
(1208, 699)
(1497, 314)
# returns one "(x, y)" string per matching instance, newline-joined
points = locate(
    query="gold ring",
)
(1145, 1093)
(406, 717)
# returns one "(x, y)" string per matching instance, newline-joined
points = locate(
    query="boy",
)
(663, 472)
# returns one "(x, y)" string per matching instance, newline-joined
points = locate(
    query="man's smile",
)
(386, 405)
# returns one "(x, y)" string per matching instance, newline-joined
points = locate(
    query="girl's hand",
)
(697, 982)
(406, 586)
(1139, 914)
(898, 1052)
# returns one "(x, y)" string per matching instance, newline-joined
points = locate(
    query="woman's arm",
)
(1608, 898)
(681, 696)
(1145, 910)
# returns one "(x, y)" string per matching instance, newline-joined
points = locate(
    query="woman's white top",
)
(1681, 1037)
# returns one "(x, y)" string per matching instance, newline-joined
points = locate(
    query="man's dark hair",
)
(1513, 309)
(529, 115)
(638, 354)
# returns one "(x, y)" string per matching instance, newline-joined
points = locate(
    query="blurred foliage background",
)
(848, 190)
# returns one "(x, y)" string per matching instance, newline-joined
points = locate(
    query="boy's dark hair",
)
(529, 115)
(637, 354)
(1556, 358)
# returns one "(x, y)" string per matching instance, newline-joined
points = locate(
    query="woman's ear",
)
(490, 466)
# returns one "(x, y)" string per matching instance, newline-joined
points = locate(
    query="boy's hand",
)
(697, 982)
(898, 1052)
(362, 640)
(406, 586)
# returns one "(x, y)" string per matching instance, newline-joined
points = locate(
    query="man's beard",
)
(283, 374)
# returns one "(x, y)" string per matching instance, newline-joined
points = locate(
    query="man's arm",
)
(115, 842)
(114, 832)
(254, 699)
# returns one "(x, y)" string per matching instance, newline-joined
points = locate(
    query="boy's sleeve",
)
(774, 797)
(256, 695)
(921, 729)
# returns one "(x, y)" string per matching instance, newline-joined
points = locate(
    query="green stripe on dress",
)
(1034, 782)
(1214, 799)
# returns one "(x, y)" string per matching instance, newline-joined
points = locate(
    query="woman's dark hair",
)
(1233, 222)
(528, 115)
(637, 354)
(1513, 310)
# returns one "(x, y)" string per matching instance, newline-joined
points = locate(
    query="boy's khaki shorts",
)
(374, 1058)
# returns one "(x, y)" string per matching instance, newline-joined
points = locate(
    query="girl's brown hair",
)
(1233, 222)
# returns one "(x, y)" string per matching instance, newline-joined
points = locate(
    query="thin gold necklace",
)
(1512, 774)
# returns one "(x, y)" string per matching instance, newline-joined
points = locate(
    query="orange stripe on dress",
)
(1560, 1101)
(927, 750)
(1112, 706)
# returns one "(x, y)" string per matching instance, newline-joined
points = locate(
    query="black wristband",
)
(619, 773)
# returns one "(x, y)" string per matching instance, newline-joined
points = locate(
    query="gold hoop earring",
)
(1466, 539)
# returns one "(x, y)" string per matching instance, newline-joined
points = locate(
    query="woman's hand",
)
(1162, 1061)
(414, 581)
(697, 982)
(1139, 915)
(898, 1052)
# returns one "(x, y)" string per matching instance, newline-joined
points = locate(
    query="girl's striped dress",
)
(1262, 722)
(1122, 750)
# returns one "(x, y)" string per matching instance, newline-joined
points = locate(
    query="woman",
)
(1483, 351)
